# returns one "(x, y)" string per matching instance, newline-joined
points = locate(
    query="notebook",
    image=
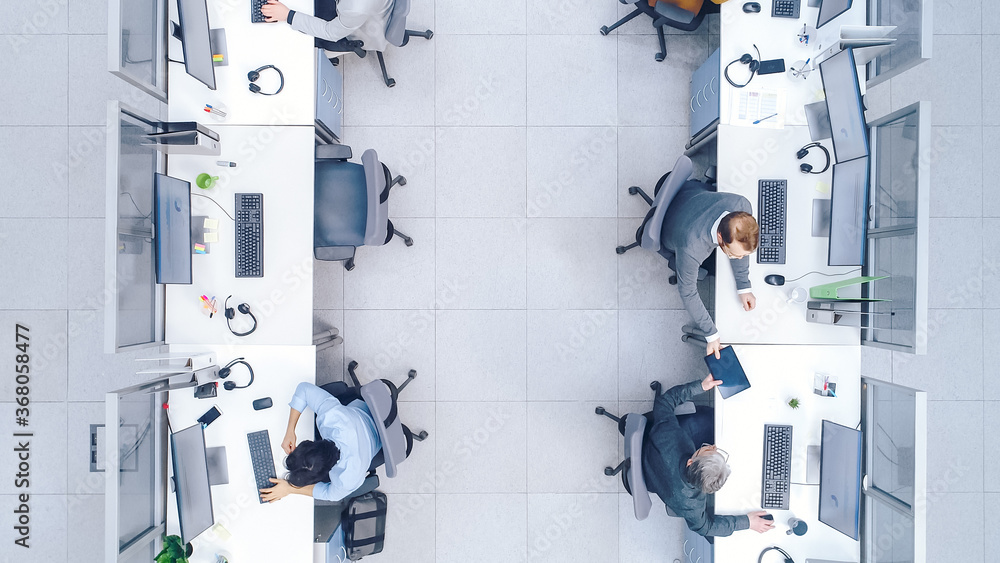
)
(729, 370)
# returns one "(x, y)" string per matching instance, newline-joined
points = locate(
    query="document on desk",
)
(758, 108)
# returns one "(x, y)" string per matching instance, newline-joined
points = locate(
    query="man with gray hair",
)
(683, 476)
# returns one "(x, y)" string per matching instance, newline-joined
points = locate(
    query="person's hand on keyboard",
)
(274, 11)
(748, 300)
(280, 490)
(758, 524)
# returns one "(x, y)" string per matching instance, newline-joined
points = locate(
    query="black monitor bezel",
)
(185, 29)
(819, 18)
(822, 455)
(208, 482)
(157, 178)
(860, 105)
(864, 221)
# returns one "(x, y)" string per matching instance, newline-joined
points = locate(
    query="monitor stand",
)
(217, 37)
(818, 119)
(218, 467)
(812, 464)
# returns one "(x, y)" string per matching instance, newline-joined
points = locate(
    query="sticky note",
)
(211, 223)
(199, 248)
(211, 237)
(822, 187)
(217, 58)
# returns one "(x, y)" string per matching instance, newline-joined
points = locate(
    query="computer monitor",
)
(196, 40)
(843, 104)
(830, 9)
(172, 229)
(194, 494)
(848, 213)
(840, 478)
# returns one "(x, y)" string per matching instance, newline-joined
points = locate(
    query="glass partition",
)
(913, 33)
(137, 44)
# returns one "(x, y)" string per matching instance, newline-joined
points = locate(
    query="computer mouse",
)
(767, 517)
(774, 279)
(751, 7)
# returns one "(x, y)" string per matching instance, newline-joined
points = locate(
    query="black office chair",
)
(351, 204)
(663, 14)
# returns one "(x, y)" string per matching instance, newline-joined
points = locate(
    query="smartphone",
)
(772, 66)
(210, 416)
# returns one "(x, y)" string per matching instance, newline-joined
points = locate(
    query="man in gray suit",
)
(696, 223)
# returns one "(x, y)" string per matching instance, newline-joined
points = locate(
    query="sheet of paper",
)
(758, 108)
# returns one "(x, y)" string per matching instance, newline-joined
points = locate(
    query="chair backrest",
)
(635, 427)
(380, 396)
(651, 233)
(378, 213)
(395, 30)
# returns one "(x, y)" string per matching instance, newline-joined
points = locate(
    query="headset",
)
(807, 168)
(253, 75)
(747, 60)
(226, 371)
(231, 314)
(788, 558)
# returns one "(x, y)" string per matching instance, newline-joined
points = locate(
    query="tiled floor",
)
(518, 127)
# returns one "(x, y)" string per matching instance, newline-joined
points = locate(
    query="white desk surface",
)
(280, 531)
(250, 46)
(776, 374)
(277, 162)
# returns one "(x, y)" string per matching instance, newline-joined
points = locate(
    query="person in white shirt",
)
(336, 21)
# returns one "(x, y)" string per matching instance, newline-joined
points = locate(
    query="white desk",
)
(280, 531)
(250, 46)
(747, 154)
(278, 162)
(776, 374)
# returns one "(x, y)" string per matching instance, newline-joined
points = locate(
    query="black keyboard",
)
(263, 462)
(785, 9)
(257, 17)
(771, 205)
(777, 472)
(249, 235)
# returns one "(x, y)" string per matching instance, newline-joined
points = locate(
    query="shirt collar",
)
(715, 229)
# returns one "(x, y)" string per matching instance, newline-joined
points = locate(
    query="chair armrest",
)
(334, 253)
(333, 152)
(371, 483)
(687, 407)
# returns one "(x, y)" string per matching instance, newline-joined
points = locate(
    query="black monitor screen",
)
(848, 213)
(172, 234)
(840, 478)
(196, 40)
(843, 103)
(830, 9)
(194, 494)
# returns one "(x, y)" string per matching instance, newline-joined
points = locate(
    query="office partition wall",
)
(913, 34)
(137, 44)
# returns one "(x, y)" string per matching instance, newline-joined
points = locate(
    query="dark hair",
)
(741, 227)
(310, 462)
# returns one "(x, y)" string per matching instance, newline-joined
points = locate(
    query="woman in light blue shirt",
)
(334, 467)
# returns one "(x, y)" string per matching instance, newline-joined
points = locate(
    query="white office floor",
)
(519, 129)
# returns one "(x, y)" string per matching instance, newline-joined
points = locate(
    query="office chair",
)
(351, 204)
(395, 33)
(664, 13)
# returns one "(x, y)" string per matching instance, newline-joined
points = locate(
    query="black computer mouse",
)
(751, 7)
(767, 517)
(774, 279)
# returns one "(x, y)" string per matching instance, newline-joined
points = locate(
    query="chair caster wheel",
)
(408, 242)
(684, 338)
(353, 365)
(391, 82)
(349, 265)
(632, 190)
(423, 435)
(429, 35)
(672, 280)
(659, 58)
(620, 250)
(609, 471)
(604, 30)
(599, 411)
(402, 181)
(655, 386)
(412, 374)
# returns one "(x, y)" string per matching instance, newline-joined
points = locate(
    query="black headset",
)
(231, 314)
(807, 168)
(253, 75)
(747, 60)
(788, 558)
(224, 373)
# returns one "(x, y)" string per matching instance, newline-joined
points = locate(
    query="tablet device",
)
(729, 370)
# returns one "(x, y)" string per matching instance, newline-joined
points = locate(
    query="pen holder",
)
(799, 70)
(824, 385)
(218, 112)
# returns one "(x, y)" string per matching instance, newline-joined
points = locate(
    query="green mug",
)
(205, 181)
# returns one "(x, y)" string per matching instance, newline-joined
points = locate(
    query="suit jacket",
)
(363, 20)
(665, 452)
(685, 237)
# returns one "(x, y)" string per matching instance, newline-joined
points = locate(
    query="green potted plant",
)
(794, 403)
(174, 551)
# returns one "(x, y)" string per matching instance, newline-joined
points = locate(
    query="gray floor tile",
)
(88, 16)
(85, 247)
(581, 454)
(367, 100)
(382, 270)
(46, 449)
(35, 17)
(412, 521)
(572, 355)
(639, 75)
(990, 269)
(572, 171)
(636, 543)
(416, 474)
(407, 151)
(37, 185)
(876, 362)
(92, 373)
(482, 264)
(571, 80)
(47, 527)
(33, 252)
(81, 482)
(481, 528)
(957, 59)
(47, 352)
(89, 106)
(954, 454)
(388, 344)
(956, 251)
(481, 356)
(991, 197)
(481, 171)
(565, 271)
(40, 63)
(958, 187)
(330, 363)
(955, 17)
(953, 539)
(650, 348)
(480, 80)
(878, 100)
(458, 17)
(562, 18)
(948, 330)
(991, 444)
(86, 171)
(571, 527)
(328, 284)
(644, 155)
(991, 521)
(481, 448)
(86, 516)
(643, 276)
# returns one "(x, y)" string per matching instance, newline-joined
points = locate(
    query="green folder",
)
(832, 290)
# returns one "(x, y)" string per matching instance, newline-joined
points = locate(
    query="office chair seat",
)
(341, 186)
(632, 477)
